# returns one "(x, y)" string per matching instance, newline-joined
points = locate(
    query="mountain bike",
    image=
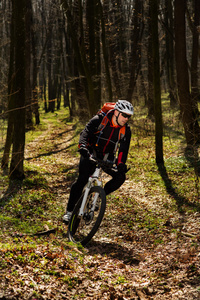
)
(89, 210)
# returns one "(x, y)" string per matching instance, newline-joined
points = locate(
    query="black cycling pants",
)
(86, 169)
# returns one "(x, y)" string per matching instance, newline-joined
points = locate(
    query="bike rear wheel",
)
(82, 229)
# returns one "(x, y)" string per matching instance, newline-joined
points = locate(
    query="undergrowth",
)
(149, 207)
(34, 201)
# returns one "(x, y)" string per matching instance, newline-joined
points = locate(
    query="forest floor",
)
(148, 245)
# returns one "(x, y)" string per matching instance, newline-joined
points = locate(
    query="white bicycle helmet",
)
(124, 106)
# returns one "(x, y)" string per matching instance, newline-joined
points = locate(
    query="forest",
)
(60, 61)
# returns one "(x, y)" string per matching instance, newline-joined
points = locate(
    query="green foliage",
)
(179, 174)
(147, 213)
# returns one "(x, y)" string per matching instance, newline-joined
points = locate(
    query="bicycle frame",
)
(93, 178)
(90, 208)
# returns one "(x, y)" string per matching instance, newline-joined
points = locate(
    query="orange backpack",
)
(106, 108)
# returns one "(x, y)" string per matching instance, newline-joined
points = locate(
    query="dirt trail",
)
(132, 264)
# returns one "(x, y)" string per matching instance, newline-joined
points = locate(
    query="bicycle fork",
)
(94, 177)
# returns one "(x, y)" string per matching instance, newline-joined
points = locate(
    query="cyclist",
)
(101, 142)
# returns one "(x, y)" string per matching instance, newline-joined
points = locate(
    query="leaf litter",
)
(143, 249)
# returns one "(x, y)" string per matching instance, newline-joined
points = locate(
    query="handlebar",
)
(107, 164)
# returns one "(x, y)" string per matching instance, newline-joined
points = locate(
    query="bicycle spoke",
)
(81, 230)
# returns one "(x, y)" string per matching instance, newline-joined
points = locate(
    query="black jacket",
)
(107, 140)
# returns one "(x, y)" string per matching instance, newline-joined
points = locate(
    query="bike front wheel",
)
(82, 228)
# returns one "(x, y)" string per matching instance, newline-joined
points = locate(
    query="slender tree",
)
(170, 64)
(156, 82)
(150, 102)
(105, 52)
(190, 123)
(80, 51)
(195, 55)
(16, 166)
(135, 49)
(29, 121)
(92, 18)
(35, 68)
(11, 95)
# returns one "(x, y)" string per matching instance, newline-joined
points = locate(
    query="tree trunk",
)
(105, 53)
(29, 121)
(150, 103)
(73, 80)
(170, 53)
(97, 73)
(156, 82)
(11, 83)
(34, 72)
(195, 54)
(114, 54)
(191, 126)
(135, 48)
(50, 76)
(81, 56)
(16, 166)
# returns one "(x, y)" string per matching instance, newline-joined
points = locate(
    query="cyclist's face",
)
(122, 117)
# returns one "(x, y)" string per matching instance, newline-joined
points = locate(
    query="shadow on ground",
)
(180, 200)
(113, 250)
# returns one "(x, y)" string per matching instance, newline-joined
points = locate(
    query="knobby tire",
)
(81, 231)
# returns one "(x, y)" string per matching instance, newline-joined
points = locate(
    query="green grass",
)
(28, 206)
(34, 204)
(179, 174)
